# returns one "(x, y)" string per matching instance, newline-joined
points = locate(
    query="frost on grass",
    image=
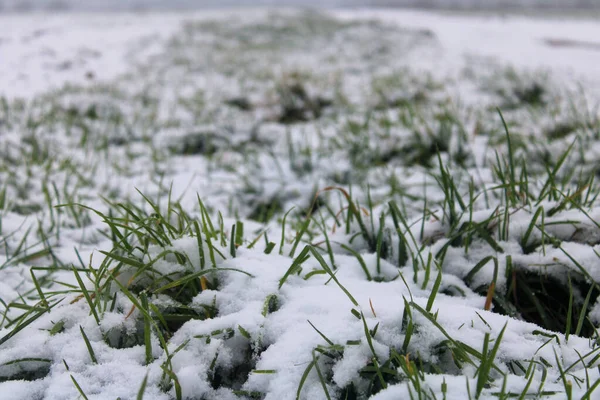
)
(283, 208)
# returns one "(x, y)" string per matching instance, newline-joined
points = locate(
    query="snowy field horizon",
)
(456, 5)
(299, 204)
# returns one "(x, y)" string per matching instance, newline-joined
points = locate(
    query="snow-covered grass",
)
(296, 206)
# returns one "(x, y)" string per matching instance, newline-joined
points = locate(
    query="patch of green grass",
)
(308, 172)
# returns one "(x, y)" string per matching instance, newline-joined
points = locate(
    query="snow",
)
(106, 44)
(61, 5)
(92, 48)
(285, 321)
(518, 41)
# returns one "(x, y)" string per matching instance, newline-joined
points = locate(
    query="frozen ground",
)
(333, 207)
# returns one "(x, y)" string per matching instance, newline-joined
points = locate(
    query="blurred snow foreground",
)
(298, 205)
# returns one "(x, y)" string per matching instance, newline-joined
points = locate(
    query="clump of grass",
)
(205, 142)
(296, 105)
(517, 90)
(531, 294)
(403, 89)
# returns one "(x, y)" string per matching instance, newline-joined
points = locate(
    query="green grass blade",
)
(87, 296)
(147, 328)
(326, 268)
(140, 395)
(434, 291)
(88, 345)
(78, 387)
(294, 268)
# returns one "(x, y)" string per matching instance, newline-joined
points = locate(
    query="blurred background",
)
(106, 5)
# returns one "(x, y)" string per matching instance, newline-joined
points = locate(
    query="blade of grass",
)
(140, 395)
(88, 345)
(78, 387)
(326, 268)
(434, 291)
(87, 296)
(147, 328)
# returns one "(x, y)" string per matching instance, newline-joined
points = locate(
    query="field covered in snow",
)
(299, 205)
